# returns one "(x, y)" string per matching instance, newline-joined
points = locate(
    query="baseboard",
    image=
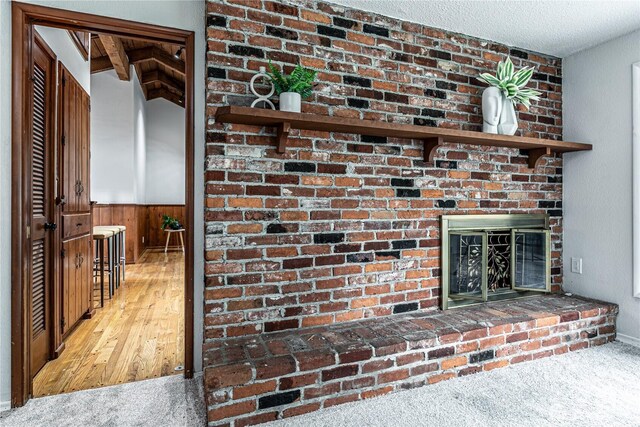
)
(5, 406)
(628, 340)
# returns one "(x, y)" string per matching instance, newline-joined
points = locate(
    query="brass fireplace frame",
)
(482, 225)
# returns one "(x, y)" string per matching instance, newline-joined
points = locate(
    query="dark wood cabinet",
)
(74, 200)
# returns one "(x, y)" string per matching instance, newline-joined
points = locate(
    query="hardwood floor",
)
(139, 334)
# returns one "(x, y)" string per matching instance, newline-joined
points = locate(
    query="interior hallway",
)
(138, 335)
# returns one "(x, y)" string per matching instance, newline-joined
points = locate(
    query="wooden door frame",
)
(23, 18)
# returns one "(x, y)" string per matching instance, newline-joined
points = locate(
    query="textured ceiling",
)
(554, 27)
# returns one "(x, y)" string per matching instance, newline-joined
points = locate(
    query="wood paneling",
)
(142, 221)
(137, 335)
(156, 237)
(126, 215)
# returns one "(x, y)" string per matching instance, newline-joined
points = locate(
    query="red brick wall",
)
(342, 226)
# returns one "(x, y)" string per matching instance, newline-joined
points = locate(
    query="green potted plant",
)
(292, 88)
(507, 88)
(170, 223)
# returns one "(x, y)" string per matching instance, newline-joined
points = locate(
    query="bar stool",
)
(121, 256)
(100, 236)
(117, 252)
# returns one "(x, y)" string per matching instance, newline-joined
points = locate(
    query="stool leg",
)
(124, 253)
(110, 261)
(116, 258)
(181, 241)
(166, 245)
(101, 258)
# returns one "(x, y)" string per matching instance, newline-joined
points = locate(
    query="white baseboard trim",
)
(628, 340)
(5, 406)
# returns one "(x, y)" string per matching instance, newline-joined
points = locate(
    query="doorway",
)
(32, 332)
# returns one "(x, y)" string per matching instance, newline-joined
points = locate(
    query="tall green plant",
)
(300, 81)
(512, 83)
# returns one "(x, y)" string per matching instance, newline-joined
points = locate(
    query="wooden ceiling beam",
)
(163, 79)
(137, 56)
(153, 53)
(166, 94)
(117, 55)
(102, 63)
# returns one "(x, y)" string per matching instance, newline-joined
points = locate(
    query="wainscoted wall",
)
(342, 226)
(142, 221)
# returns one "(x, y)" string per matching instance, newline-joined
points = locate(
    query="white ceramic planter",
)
(290, 101)
(498, 113)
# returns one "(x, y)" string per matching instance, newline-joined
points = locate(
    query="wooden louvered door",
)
(73, 170)
(42, 213)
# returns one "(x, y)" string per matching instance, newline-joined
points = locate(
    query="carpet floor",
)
(167, 401)
(594, 387)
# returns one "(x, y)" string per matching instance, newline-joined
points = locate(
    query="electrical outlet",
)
(576, 265)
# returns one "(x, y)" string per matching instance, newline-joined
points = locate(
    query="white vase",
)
(508, 120)
(290, 101)
(491, 109)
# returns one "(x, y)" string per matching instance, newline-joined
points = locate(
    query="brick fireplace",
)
(344, 228)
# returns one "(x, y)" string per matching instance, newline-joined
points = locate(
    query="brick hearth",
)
(282, 374)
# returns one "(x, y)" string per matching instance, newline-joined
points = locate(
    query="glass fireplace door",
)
(531, 260)
(468, 266)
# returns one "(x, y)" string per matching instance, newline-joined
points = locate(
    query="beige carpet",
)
(594, 387)
(168, 401)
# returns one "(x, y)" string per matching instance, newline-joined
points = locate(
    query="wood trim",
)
(82, 48)
(23, 17)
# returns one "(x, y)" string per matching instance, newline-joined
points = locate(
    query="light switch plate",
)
(576, 265)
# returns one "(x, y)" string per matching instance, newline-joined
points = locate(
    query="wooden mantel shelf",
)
(432, 136)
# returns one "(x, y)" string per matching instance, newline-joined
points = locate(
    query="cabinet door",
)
(76, 280)
(531, 260)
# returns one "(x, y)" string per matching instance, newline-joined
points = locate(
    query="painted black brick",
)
(357, 103)
(403, 308)
(344, 23)
(374, 29)
(361, 257)
(433, 93)
(299, 167)
(420, 121)
(407, 192)
(356, 81)
(440, 54)
(216, 21)
(440, 84)
(216, 73)
(447, 164)
(401, 182)
(374, 139)
(404, 244)
(539, 76)
(328, 238)
(519, 53)
(278, 399)
(246, 51)
(481, 356)
(282, 33)
(276, 228)
(546, 204)
(332, 32)
(554, 212)
(430, 112)
(446, 204)
(555, 79)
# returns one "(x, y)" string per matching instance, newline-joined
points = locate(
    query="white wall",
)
(165, 153)
(189, 15)
(140, 139)
(113, 135)
(60, 42)
(597, 184)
